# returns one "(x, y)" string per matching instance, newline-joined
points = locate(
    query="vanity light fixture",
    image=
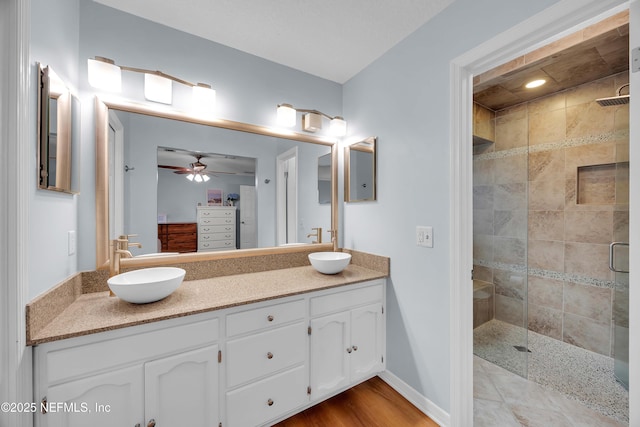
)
(535, 83)
(106, 75)
(311, 119)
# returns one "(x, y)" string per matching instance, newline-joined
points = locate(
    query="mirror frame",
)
(48, 90)
(102, 106)
(372, 143)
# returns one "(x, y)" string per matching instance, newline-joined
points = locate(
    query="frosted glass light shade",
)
(206, 178)
(158, 88)
(286, 115)
(204, 99)
(104, 75)
(338, 126)
(190, 177)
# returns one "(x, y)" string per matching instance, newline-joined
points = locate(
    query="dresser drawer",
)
(205, 229)
(268, 399)
(216, 221)
(215, 237)
(262, 354)
(216, 245)
(216, 213)
(265, 317)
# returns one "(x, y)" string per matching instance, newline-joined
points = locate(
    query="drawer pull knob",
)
(269, 355)
(270, 402)
(355, 348)
(151, 423)
(270, 318)
(349, 350)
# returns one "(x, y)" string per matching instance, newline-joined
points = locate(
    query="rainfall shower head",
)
(615, 100)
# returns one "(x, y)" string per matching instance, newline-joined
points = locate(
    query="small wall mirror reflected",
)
(360, 171)
(58, 123)
(324, 179)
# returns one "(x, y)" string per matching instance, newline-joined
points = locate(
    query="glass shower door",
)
(619, 264)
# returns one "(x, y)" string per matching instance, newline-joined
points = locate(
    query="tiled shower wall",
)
(550, 194)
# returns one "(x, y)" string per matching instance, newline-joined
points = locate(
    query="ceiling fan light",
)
(104, 74)
(190, 177)
(198, 178)
(205, 178)
(157, 88)
(286, 115)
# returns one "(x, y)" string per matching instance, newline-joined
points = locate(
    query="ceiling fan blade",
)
(179, 168)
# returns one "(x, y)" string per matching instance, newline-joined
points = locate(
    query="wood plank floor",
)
(370, 404)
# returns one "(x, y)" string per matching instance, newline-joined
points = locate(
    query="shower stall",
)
(551, 226)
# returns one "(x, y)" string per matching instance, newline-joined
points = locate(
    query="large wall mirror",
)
(161, 167)
(360, 171)
(58, 131)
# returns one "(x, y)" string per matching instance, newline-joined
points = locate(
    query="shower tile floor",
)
(567, 386)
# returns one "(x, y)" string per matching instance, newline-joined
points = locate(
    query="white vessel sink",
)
(146, 285)
(329, 262)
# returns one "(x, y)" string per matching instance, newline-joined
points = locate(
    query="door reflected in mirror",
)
(324, 179)
(360, 171)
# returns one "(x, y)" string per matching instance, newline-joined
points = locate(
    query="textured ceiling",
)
(332, 39)
(589, 55)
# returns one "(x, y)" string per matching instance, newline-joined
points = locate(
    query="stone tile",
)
(511, 132)
(510, 197)
(511, 169)
(588, 155)
(571, 199)
(510, 310)
(546, 225)
(519, 391)
(588, 301)
(588, 226)
(546, 195)
(588, 93)
(483, 388)
(546, 255)
(483, 273)
(621, 226)
(510, 223)
(483, 196)
(547, 165)
(622, 183)
(621, 117)
(597, 185)
(545, 292)
(510, 284)
(487, 413)
(483, 122)
(547, 126)
(483, 221)
(545, 321)
(539, 417)
(585, 333)
(556, 101)
(516, 112)
(509, 250)
(483, 172)
(587, 259)
(622, 151)
(483, 247)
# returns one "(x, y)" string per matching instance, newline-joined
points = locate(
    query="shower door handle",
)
(612, 264)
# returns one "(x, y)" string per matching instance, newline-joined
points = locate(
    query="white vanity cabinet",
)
(266, 369)
(216, 228)
(168, 376)
(346, 345)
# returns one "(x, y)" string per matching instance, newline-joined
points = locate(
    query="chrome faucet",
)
(119, 248)
(317, 235)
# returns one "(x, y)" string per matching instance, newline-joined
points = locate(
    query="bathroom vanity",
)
(241, 350)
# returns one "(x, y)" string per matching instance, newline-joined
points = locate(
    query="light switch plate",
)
(424, 236)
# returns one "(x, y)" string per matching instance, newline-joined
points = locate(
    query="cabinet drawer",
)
(204, 229)
(224, 244)
(216, 221)
(264, 317)
(216, 213)
(346, 299)
(268, 399)
(262, 354)
(213, 237)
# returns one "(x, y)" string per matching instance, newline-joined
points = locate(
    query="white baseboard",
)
(429, 408)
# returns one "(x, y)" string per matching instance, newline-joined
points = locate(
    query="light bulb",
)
(157, 88)
(338, 126)
(204, 99)
(104, 74)
(286, 115)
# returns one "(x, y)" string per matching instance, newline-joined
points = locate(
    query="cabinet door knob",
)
(270, 402)
(151, 423)
(270, 318)
(349, 350)
(269, 355)
(355, 348)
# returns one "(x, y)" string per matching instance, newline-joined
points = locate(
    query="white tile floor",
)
(502, 398)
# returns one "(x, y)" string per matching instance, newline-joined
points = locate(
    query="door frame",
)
(285, 215)
(559, 20)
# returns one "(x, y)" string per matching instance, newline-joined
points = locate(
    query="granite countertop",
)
(97, 312)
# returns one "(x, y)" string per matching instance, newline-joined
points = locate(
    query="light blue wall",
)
(54, 42)
(403, 98)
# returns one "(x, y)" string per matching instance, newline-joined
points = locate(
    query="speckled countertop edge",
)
(96, 312)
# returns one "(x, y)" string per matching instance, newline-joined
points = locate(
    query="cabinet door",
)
(366, 341)
(329, 353)
(107, 400)
(182, 390)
